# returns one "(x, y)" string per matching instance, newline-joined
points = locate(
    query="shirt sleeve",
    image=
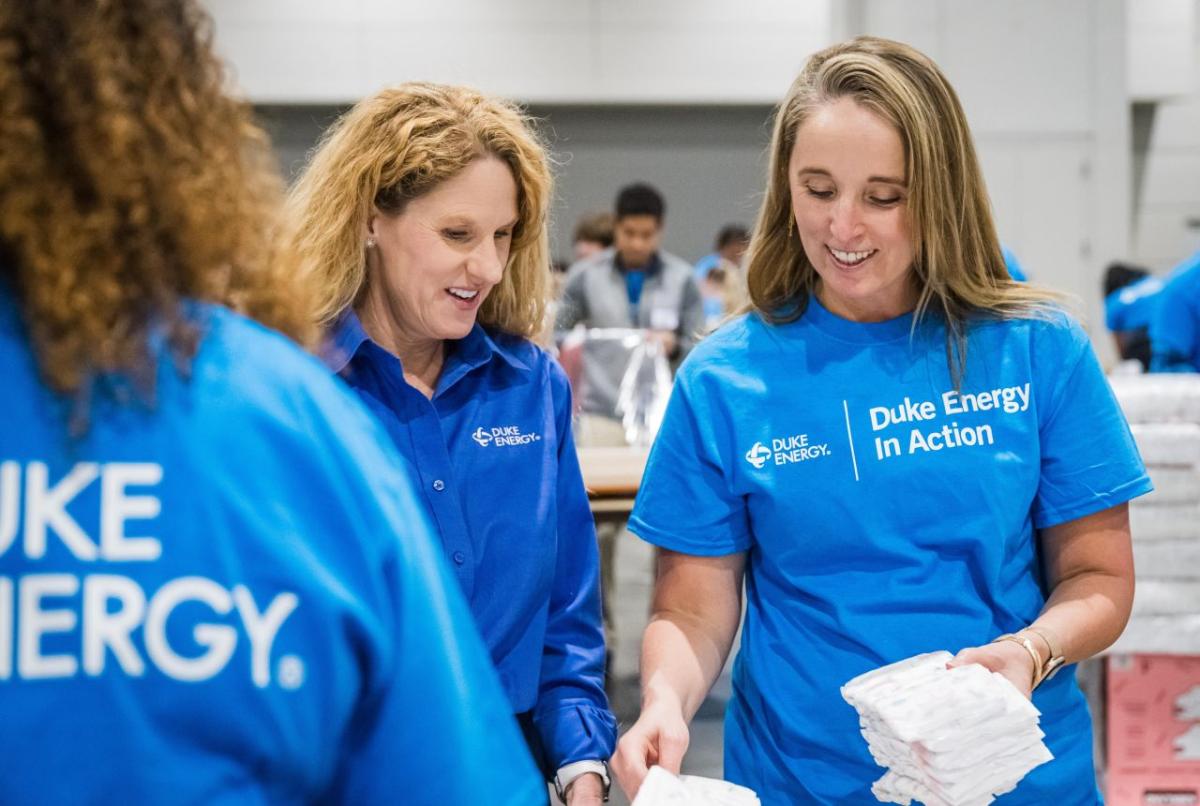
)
(1089, 461)
(432, 725)
(687, 501)
(572, 714)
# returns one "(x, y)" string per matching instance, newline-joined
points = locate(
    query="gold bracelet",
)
(1033, 653)
(1055, 660)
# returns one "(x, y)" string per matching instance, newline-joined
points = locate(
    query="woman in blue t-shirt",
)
(899, 449)
(423, 215)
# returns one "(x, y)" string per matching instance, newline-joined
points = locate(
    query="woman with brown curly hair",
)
(182, 620)
(423, 217)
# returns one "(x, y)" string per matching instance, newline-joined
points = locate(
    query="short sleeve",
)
(686, 502)
(1089, 461)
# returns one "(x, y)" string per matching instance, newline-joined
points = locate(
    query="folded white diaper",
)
(948, 737)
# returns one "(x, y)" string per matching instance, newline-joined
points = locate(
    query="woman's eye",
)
(885, 202)
(820, 194)
(502, 234)
(456, 234)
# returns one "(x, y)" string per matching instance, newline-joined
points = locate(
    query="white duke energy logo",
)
(786, 451)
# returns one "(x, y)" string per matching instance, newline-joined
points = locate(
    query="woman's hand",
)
(1006, 657)
(660, 736)
(586, 790)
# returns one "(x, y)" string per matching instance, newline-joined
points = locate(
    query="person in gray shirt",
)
(632, 285)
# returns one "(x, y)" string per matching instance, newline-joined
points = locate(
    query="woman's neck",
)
(421, 358)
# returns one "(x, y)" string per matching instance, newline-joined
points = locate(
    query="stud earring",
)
(370, 243)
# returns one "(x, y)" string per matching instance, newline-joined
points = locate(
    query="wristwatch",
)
(567, 774)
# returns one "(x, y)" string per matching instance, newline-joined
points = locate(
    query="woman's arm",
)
(1088, 564)
(695, 614)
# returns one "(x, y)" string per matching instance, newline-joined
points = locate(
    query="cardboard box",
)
(1153, 730)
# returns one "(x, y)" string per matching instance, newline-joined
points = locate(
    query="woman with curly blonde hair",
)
(422, 217)
(898, 450)
(171, 591)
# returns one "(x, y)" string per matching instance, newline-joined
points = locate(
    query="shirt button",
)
(459, 557)
(439, 485)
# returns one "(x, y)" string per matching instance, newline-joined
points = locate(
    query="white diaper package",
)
(661, 788)
(948, 737)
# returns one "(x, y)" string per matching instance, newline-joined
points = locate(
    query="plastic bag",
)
(644, 391)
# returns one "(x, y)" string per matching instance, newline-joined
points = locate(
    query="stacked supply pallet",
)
(1153, 692)
(1164, 414)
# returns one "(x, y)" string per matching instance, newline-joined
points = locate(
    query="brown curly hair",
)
(130, 181)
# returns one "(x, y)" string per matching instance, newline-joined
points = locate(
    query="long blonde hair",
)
(957, 260)
(130, 180)
(395, 146)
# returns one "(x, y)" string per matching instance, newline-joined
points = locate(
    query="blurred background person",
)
(1130, 295)
(730, 247)
(423, 216)
(227, 592)
(1013, 264)
(720, 277)
(593, 234)
(634, 285)
(1175, 320)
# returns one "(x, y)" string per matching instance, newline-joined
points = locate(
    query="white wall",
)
(541, 51)
(1169, 194)
(1043, 85)
(1043, 82)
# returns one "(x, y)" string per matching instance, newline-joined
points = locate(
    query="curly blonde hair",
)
(129, 182)
(395, 146)
(957, 261)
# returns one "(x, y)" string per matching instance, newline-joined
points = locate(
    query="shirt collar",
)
(650, 268)
(347, 336)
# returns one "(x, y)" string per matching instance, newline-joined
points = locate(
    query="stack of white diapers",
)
(948, 737)
(1164, 415)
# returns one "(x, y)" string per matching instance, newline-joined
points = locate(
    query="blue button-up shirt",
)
(497, 468)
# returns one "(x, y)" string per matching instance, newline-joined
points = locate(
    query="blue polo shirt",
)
(231, 598)
(500, 480)
(1132, 307)
(1175, 324)
(885, 514)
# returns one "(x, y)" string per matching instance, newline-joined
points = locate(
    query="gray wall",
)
(708, 161)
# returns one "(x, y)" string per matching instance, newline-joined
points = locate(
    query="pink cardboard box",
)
(1153, 730)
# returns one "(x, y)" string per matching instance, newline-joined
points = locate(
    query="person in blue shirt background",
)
(216, 585)
(1175, 321)
(1013, 265)
(1130, 297)
(900, 449)
(424, 216)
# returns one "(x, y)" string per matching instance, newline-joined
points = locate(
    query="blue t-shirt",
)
(1132, 307)
(706, 264)
(232, 598)
(500, 480)
(1175, 325)
(1015, 269)
(884, 515)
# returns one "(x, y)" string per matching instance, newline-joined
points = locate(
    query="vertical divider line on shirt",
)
(850, 436)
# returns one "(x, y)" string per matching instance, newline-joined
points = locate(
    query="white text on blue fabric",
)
(930, 436)
(96, 615)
